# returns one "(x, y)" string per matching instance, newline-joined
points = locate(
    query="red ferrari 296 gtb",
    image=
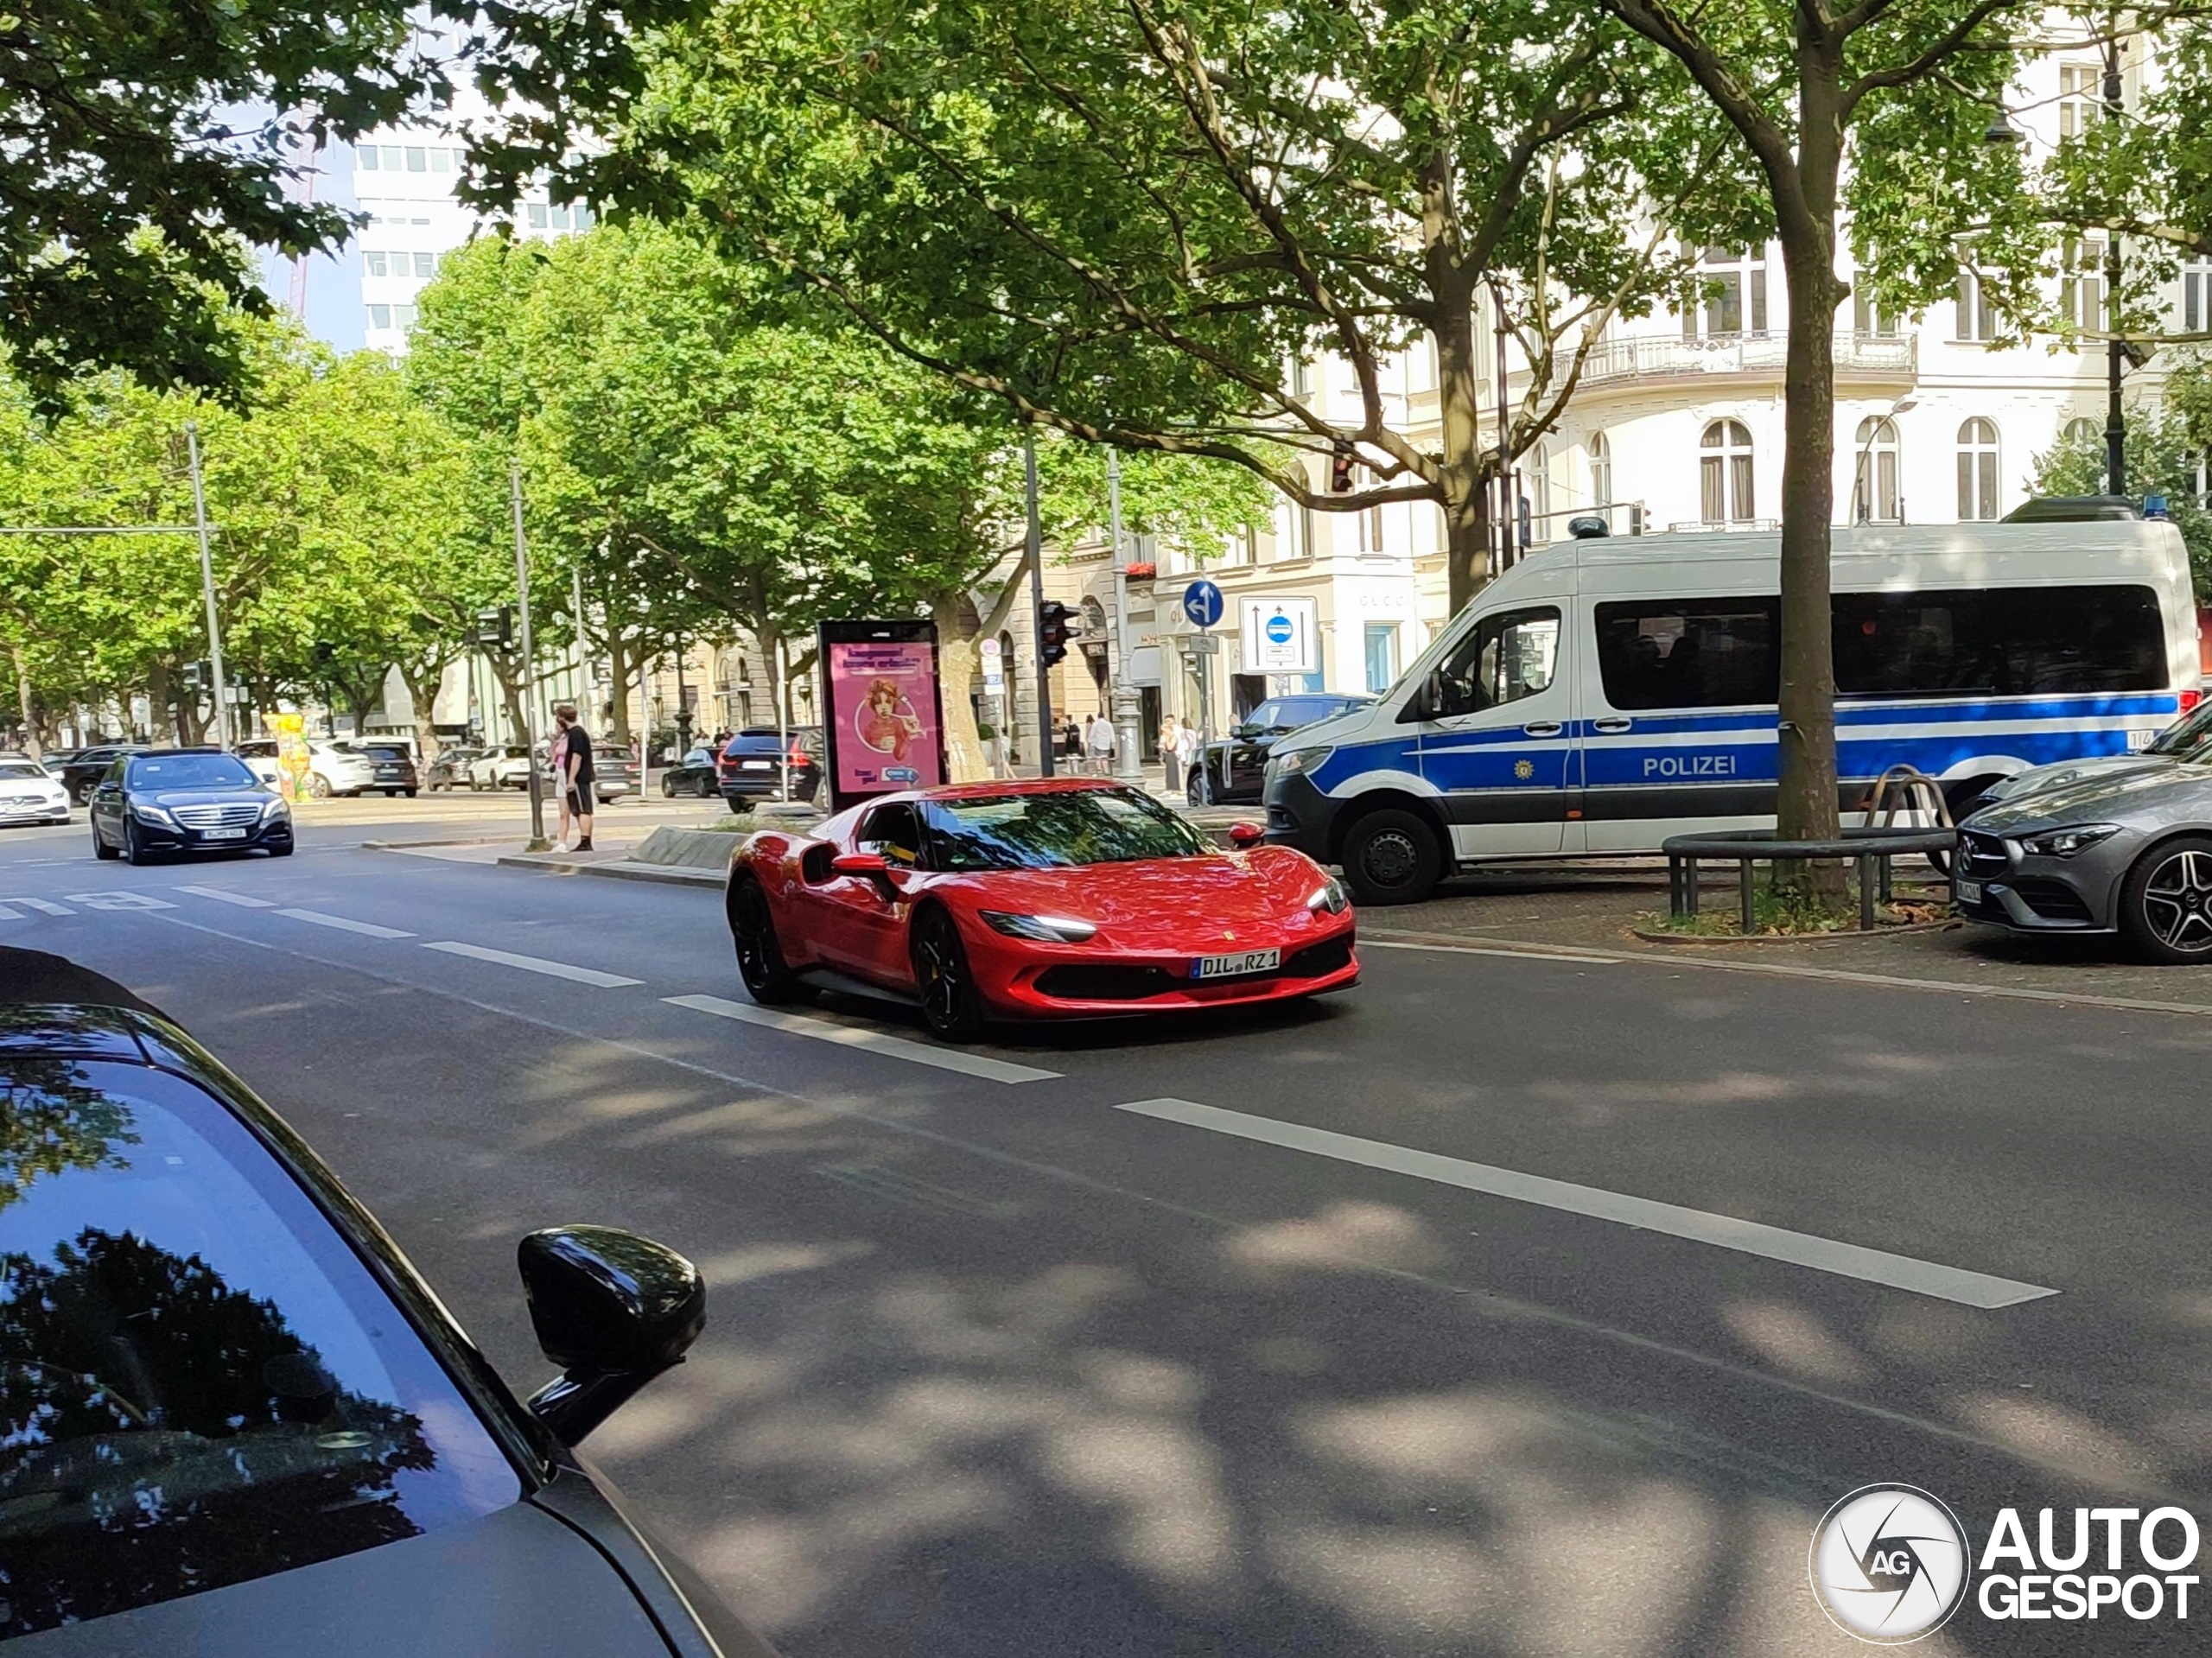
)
(1050, 898)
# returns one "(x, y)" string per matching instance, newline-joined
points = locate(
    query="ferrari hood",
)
(1181, 895)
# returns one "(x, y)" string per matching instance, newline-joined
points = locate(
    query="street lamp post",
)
(1864, 484)
(207, 587)
(528, 660)
(1124, 700)
(2115, 348)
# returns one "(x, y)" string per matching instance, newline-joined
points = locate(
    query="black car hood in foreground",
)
(517, 1580)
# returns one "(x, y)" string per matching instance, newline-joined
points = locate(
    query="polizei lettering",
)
(1690, 765)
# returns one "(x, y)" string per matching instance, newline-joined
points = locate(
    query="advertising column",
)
(883, 719)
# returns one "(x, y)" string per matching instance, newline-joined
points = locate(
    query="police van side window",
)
(2001, 642)
(1689, 653)
(1509, 656)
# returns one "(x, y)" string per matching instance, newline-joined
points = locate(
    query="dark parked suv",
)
(1249, 744)
(80, 772)
(393, 764)
(753, 764)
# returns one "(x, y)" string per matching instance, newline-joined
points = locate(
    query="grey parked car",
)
(2127, 852)
(2188, 738)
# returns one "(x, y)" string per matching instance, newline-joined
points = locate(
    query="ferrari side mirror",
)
(1244, 835)
(613, 1310)
(870, 867)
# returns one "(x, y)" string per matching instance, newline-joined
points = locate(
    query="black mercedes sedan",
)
(234, 1420)
(81, 770)
(169, 800)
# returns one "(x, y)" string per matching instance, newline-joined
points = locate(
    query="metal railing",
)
(1661, 356)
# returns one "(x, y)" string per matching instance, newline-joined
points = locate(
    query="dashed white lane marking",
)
(534, 964)
(367, 929)
(243, 900)
(1776, 1243)
(852, 1036)
(1486, 949)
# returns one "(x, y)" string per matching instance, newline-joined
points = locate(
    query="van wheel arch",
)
(1388, 800)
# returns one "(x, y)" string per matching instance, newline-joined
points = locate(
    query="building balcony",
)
(1862, 360)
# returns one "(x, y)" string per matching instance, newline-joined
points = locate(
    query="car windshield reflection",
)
(1055, 830)
(200, 1383)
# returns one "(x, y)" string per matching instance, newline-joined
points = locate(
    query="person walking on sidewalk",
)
(1071, 744)
(1186, 750)
(1171, 767)
(570, 757)
(1102, 746)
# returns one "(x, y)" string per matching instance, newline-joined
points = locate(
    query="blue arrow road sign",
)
(1202, 604)
(1278, 630)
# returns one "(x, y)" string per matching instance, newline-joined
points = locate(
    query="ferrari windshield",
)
(1055, 830)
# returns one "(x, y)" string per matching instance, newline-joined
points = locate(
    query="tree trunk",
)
(23, 702)
(957, 658)
(159, 714)
(1806, 807)
(618, 662)
(422, 682)
(1459, 396)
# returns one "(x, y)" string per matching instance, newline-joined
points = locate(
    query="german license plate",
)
(1969, 891)
(753, 765)
(222, 834)
(1229, 967)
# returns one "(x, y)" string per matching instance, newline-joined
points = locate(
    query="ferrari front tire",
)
(942, 975)
(768, 978)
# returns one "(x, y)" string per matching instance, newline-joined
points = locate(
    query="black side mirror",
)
(613, 1310)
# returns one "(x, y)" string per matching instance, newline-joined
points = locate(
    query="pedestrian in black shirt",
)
(570, 758)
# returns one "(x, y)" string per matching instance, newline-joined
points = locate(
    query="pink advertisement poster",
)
(884, 698)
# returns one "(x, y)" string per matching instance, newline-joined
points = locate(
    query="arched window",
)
(1874, 495)
(1725, 473)
(2083, 429)
(1601, 470)
(1977, 471)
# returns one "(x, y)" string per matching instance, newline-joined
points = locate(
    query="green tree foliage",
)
(327, 500)
(2165, 451)
(713, 459)
(1124, 219)
(151, 142)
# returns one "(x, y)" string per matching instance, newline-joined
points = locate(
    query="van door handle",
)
(1542, 728)
(1613, 726)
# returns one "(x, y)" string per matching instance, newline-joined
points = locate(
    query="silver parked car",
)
(2188, 738)
(2127, 852)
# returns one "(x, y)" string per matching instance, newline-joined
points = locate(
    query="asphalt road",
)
(1294, 1359)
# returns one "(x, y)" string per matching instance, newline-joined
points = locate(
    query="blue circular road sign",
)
(1278, 630)
(1202, 604)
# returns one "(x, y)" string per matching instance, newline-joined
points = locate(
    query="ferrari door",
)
(864, 920)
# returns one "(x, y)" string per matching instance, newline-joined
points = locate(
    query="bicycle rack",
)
(1908, 789)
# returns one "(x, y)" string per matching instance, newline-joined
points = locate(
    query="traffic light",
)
(1340, 466)
(495, 626)
(197, 676)
(1053, 631)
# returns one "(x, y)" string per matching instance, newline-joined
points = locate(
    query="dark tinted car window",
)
(190, 772)
(2002, 642)
(385, 752)
(1053, 831)
(1693, 653)
(199, 1382)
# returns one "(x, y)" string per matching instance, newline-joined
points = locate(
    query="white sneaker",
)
(558, 846)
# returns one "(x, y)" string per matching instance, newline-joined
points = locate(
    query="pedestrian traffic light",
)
(1053, 631)
(196, 676)
(495, 626)
(1340, 466)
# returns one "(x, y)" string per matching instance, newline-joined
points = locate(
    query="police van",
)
(1605, 694)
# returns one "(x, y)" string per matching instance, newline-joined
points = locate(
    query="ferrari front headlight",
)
(1041, 929)
(1329, 897)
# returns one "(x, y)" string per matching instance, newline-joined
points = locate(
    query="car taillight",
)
(797, 757)
(2190, 699)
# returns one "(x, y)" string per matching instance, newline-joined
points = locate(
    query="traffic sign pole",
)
(1202, 604)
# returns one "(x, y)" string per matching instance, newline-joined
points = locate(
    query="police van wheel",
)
(1391, 857)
